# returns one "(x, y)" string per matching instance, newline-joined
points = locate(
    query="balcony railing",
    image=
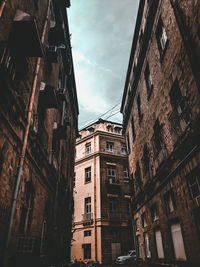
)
(114, 151)
(87, 217)
(116, 215)
(113, 186)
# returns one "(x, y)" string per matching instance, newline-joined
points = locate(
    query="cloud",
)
(102, 32)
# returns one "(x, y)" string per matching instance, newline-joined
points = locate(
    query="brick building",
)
(102, 225)
(38, 128)
(161, 111)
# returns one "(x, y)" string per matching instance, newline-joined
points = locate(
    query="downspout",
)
(24, 147)
(95, 202)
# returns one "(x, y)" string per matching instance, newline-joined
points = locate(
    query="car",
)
(126, 259)
(92, 264)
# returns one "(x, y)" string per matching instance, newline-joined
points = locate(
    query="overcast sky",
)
(102, 33)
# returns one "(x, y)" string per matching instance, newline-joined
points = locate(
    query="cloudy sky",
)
(102, 32)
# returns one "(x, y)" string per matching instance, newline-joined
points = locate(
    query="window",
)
(178, 244)
(74, 181)
(27, 209)
(110, 146)
(88, 148)
(154, 213)
(138, 240)
(145, 161)
(117, 130)
(128, 141)
(137, 224)
(87, 251)
(126, 173)
(197, 220)
(161, 37)
(123, 149)
(146, 243)
(88, 208)
(88, 175)
(176, 97)
(111, 173)
(193, 181)
(109, 128)
(157, 139)
(138, 175)
(139, 108)
(159, 244)
(169, 201)
(87, 233)
(144, 220)
(133, 129)
(113, 207)
(148, 81)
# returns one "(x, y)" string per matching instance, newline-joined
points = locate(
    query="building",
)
(160, 109)
(102, 227)
(38, 128)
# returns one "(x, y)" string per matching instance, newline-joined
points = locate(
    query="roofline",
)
(99, 121)
(133, 47)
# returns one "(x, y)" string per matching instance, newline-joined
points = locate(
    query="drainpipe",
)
(24, 147)
(3, 4)
(95, 202)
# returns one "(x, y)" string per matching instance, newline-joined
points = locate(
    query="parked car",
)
(126, 259)
(92, 264)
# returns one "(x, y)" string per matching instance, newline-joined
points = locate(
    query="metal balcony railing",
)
(87, 216)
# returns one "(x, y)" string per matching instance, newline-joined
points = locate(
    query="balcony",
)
(28, 244)
(114, 151)
(24, 37)
(87, 218)
(116, 216)
(48, 98)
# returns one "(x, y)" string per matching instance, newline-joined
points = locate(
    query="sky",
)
(101, 38)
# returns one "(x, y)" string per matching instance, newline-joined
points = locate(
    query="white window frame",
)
(178, 244)
(88, 174)
(147, 246)
(110, 146)
(111, 173)
(159, 244)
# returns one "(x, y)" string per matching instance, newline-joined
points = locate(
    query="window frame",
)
(110, 146)
(148, 81)
(112, 173)
(87, 233)
(169, 198)
(162, 38)
(88, 174)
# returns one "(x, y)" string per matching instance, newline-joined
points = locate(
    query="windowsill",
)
(87, 182)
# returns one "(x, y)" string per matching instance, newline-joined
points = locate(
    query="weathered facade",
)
(38, 128)
(102, 228)
(161, 111)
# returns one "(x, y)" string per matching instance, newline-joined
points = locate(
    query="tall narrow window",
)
(137, 224)
(139, 108)
(178, 244)
(110, 146)
(144, 219)
(154, 213)
(126, 173)
(88, 208)
(138, 175)
(87, 251)
(148, 80)
(133, 129)
(111, 174)
(147, 247)
(161, 37)
(88, 148)
(123, 149)
(27, 209)
(138, 240)
(87, 174)
(128, 141)
(113, 207)
(157, 139)
(169, 201)
(159, 244)
(193, 181)
(145, 161)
